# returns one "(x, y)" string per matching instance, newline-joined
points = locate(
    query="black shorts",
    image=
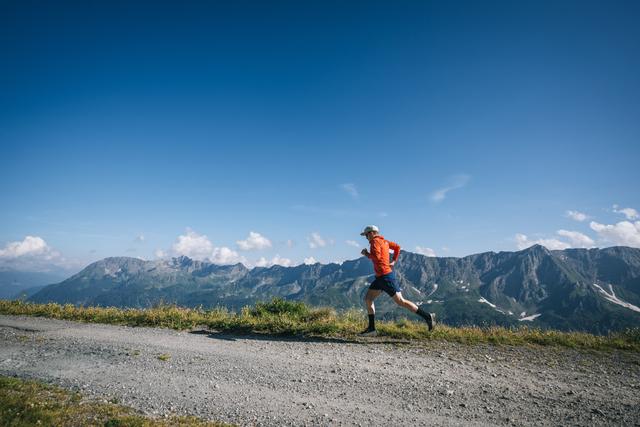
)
(386, 283)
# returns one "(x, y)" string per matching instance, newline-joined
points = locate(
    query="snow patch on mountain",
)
(435, 288)
(484, 301)
(529, 318)
(614, 299)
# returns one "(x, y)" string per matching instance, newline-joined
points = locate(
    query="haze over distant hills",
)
(14, 283)
(595, 290)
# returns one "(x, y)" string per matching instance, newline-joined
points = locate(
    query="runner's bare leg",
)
(404, 302)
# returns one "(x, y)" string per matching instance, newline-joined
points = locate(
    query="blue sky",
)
(139, 129)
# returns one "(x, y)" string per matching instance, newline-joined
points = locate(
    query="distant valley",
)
(14, 284)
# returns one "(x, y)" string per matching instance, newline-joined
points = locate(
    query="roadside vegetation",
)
(32, 403)
(281, 317)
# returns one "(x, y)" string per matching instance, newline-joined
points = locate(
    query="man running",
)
(385, 279)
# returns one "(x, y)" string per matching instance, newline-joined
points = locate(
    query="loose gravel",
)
(265, 381)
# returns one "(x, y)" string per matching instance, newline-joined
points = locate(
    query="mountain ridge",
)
(596, 290)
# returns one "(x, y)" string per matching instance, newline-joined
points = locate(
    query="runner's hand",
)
(365, 252)
(392, 263)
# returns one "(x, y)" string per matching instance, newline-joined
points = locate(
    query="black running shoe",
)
(369, 333)
(431, 320)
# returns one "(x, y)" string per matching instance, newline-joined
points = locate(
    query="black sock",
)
(422, 313)
(372, 321)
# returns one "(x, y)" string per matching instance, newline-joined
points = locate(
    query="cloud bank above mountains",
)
(199, 247)
(33, 253)
(622, 233)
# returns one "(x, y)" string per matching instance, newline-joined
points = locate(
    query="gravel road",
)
(255, 380)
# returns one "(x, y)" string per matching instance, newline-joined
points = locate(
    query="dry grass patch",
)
(281, 317)
(31, 403)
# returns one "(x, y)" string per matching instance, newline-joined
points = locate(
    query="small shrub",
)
(294, 309)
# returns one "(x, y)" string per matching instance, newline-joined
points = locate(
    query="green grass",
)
(281, 317)
(31, 403)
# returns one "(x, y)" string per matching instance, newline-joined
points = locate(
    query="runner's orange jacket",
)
(379, 254)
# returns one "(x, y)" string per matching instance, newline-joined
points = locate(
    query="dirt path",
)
(253, 380)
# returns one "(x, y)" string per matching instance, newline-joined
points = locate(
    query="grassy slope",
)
(296, 318)
(32, 403)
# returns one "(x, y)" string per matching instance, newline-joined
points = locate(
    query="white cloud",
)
(310, 260)
(33, 254)
(624, 233)
(159, 253)
(630, 213)
(193, 245)
(523, 242)
(31, 245)
(316, 241)
(262, 262)
(139, 238)
(425, 251)
(577, 239)
(352, 243)
(276, 260)
(577, 216)
(199, 247)
(457, 181)
(290, 243)
(255, 241)
(225, 256)
(350, 189)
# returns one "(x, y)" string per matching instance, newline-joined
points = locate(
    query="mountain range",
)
(595, 290)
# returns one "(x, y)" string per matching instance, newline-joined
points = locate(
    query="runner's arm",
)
(395, 248)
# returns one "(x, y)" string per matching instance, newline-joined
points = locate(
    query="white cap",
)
(369, 228)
